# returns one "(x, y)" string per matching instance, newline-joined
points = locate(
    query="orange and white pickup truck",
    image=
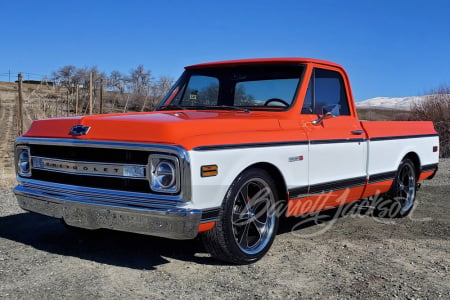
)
(232, 147)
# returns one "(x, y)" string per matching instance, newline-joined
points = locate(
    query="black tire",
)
(247, 222)
(399, 201)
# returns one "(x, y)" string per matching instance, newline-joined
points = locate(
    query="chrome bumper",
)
(169, 222)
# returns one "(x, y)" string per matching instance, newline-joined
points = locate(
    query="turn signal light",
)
(210, 170)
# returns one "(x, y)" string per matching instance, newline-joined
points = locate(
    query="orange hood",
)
(170, 127)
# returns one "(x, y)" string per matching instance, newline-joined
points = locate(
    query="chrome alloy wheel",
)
(253, 216)
(406, 187)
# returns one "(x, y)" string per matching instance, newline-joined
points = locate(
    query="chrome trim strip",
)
(179, 151)
(175, 223)
(96, 195)
(100, 144)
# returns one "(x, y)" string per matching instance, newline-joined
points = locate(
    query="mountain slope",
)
(404, 103)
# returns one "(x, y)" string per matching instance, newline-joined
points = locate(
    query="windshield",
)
(268, 87)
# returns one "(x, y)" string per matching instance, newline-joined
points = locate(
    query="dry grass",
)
(7, 178)
(436, 108)
(379, 114)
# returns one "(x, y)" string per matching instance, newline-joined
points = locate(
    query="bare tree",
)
(65, 77)
(158, 89)
(140, 80)
(116, 80)
(138, 83)
(436, 108)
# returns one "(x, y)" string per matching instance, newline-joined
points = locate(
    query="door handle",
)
(357, 131)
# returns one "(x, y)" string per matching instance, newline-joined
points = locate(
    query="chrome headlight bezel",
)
(164, 173)
(23, 161)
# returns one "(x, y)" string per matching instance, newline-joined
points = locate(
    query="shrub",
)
(436, 108)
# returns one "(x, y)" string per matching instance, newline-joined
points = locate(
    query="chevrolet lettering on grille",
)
(88, 168)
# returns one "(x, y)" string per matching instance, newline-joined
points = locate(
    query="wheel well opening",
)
(416, 161)
(275, 173)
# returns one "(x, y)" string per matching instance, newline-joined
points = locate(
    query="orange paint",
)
(206, 226)
(323, 201)
(425, 175)
(378, 129)
(377, 188)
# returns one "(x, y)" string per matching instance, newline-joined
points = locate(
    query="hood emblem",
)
(79, 130)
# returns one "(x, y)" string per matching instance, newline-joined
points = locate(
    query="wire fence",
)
(40, 100)
(11, 76)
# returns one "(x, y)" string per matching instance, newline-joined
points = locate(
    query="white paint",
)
(321, 163)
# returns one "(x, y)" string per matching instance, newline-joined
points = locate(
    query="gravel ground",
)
(354, 256)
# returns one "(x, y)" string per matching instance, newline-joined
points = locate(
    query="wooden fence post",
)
(76, 101)
(90, 94)
(101, 95)
(68, 106)
(20, 106)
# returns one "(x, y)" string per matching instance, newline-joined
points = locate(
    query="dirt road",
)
(345, 257)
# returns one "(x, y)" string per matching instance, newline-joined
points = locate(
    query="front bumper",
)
(87, 210)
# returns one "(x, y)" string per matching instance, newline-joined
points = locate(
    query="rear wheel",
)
(247, 222)
(400, 199)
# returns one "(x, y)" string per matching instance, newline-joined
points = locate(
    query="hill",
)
(403, 103)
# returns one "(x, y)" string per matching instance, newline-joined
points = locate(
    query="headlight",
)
(164, 173)
(23, 161)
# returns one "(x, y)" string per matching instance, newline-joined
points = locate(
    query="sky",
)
(390, 48)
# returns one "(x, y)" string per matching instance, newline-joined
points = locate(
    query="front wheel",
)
(400, 199)
(247, 222)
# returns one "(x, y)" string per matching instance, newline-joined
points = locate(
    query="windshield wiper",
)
(172, 107)
(222, 107)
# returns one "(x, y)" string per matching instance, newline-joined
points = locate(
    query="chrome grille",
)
(131, 179)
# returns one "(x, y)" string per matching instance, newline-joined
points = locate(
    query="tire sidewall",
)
(393, 193)
(227, 211)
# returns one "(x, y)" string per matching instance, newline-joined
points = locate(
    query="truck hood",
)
(171, 127)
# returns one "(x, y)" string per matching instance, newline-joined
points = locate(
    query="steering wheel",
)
(284, 103)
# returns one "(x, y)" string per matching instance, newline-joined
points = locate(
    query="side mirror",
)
(328, 115)
(329, 111)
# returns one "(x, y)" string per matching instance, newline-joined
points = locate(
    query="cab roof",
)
(256, 61)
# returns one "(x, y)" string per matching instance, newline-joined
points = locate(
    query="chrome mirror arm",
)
(328, 115)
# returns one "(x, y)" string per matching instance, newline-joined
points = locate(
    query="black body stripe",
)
(210, 214)
(312, 142)
(327, 187)
(380, 177)
(386, 138)
(276, 144)
(337, 141)
(432, 167)
(250, 145)
(298, 192)
(337, 185)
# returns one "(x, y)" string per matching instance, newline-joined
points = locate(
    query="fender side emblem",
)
(295, 158)
(79, 130)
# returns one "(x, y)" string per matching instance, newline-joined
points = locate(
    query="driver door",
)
(337, 148)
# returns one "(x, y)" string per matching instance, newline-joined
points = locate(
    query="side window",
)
(326, 90)
(201, 90)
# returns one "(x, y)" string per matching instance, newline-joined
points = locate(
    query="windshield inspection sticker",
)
(193, 95)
